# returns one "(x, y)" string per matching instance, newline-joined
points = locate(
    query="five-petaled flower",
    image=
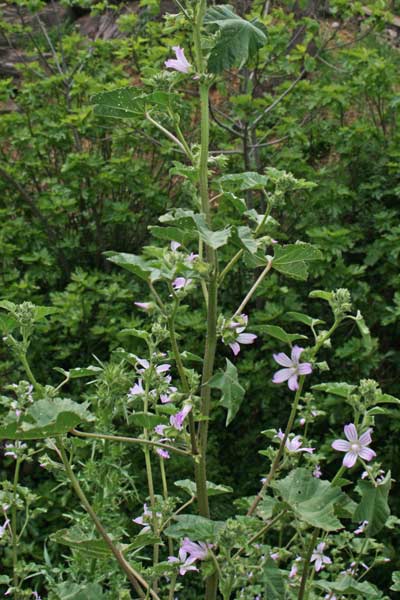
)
(294, 444)
(177, 420)
(180, 283)
(241, 337)
(319, 558)
(180, 63)
(355, 447)
(293, 368)
(189, 552)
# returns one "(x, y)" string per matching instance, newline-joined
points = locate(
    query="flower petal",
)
(365, 438)
(246, 338)
(293, 383)
(235, 347)
(350, 432)
(350, 459)
(367, 454)
(341, 445)
(304, 369)
(282, 359)
(296, 353)
(282, 375)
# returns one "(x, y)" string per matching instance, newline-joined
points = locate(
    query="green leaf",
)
(274, 585)
(179, 234)
(214, 239)
(41, 312)
(305, 319)
(246, 239)
(243, 181)
(321, 294)
(128, 102)
(386, 399)
(147, 420)
(312, 500)
(7, 323)
(342, 389)
(349, 586)
(195, 527)
(77, 540)
(135, 264)
(280, 334)
(47, 418)
(232, 391)
(396, 581)
(238, 39)
(292, 259)
(212, 488)
(374, 506)
(73, 591)
(78, 372)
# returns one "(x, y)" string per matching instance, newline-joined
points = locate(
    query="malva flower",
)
(361, 528)
(136, 389)
(189, 552)
(317, 472)
(293, 368)
(319, 558)
(144, 305)
(354, 446)
(180, 283)
(241, 338)
(163, 453)
(3, 527)
(180, 63)
(146, 518)
(177, 420)
(294, 444)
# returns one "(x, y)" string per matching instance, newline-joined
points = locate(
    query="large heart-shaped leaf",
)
(311, 499)
(46, 418)
(195, 527)
(238, 39)
(293, 259)
(374, 506)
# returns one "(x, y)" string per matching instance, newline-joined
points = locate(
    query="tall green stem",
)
(134, 577)
(281, 448)
(306, 568)
(14, 527)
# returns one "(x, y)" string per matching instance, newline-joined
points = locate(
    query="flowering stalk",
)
(14, 523)
(306, 567)
(134, 577)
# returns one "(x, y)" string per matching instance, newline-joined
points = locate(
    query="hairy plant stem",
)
(279, 454)
(306, 568)
(28, 370)
(129, 440)
(14, 527)
(211, 259)
(134, 577)
(253, 288)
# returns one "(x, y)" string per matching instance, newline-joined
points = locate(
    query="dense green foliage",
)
(319, 99)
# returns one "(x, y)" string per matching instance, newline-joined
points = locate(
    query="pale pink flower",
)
(191, 258)
(180, 283)
(317, 472)
(293, 368)
(294, 444)
(354, 446)
(3, 528)
(174, 246)
(159, 429)
(242, 338)
(163, 453)
(274, 555)
(295, 567)
(136, 389)
(319, 558)
(143, 305)
(177, 420)
(180, 63)
(145, 519)
(189, 552)
(361, 528)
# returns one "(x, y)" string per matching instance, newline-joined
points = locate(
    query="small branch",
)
(168, 134)
(129, 440)
(253, 288)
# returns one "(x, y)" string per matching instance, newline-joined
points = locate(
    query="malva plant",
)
(299, 535)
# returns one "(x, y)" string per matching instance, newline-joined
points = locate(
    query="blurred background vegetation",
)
(321, 101)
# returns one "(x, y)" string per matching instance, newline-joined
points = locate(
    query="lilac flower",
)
(177, 420)
(159, 429)
(354, 446)
(295, 567)
(189, 552)
(3, 527)
(8, 592)
(317, 472)
(163, 453)
(191, 258)
(136, 390)
(145, 519)
(180, 63)
(165, 398)
(361, 528)
(242, 338)
(143, 362)
(180, 283)
(293, 368)
(36, 596)
(11, 448)
(274, 555)
(319, 558)
(294, 445)
(144, 305)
